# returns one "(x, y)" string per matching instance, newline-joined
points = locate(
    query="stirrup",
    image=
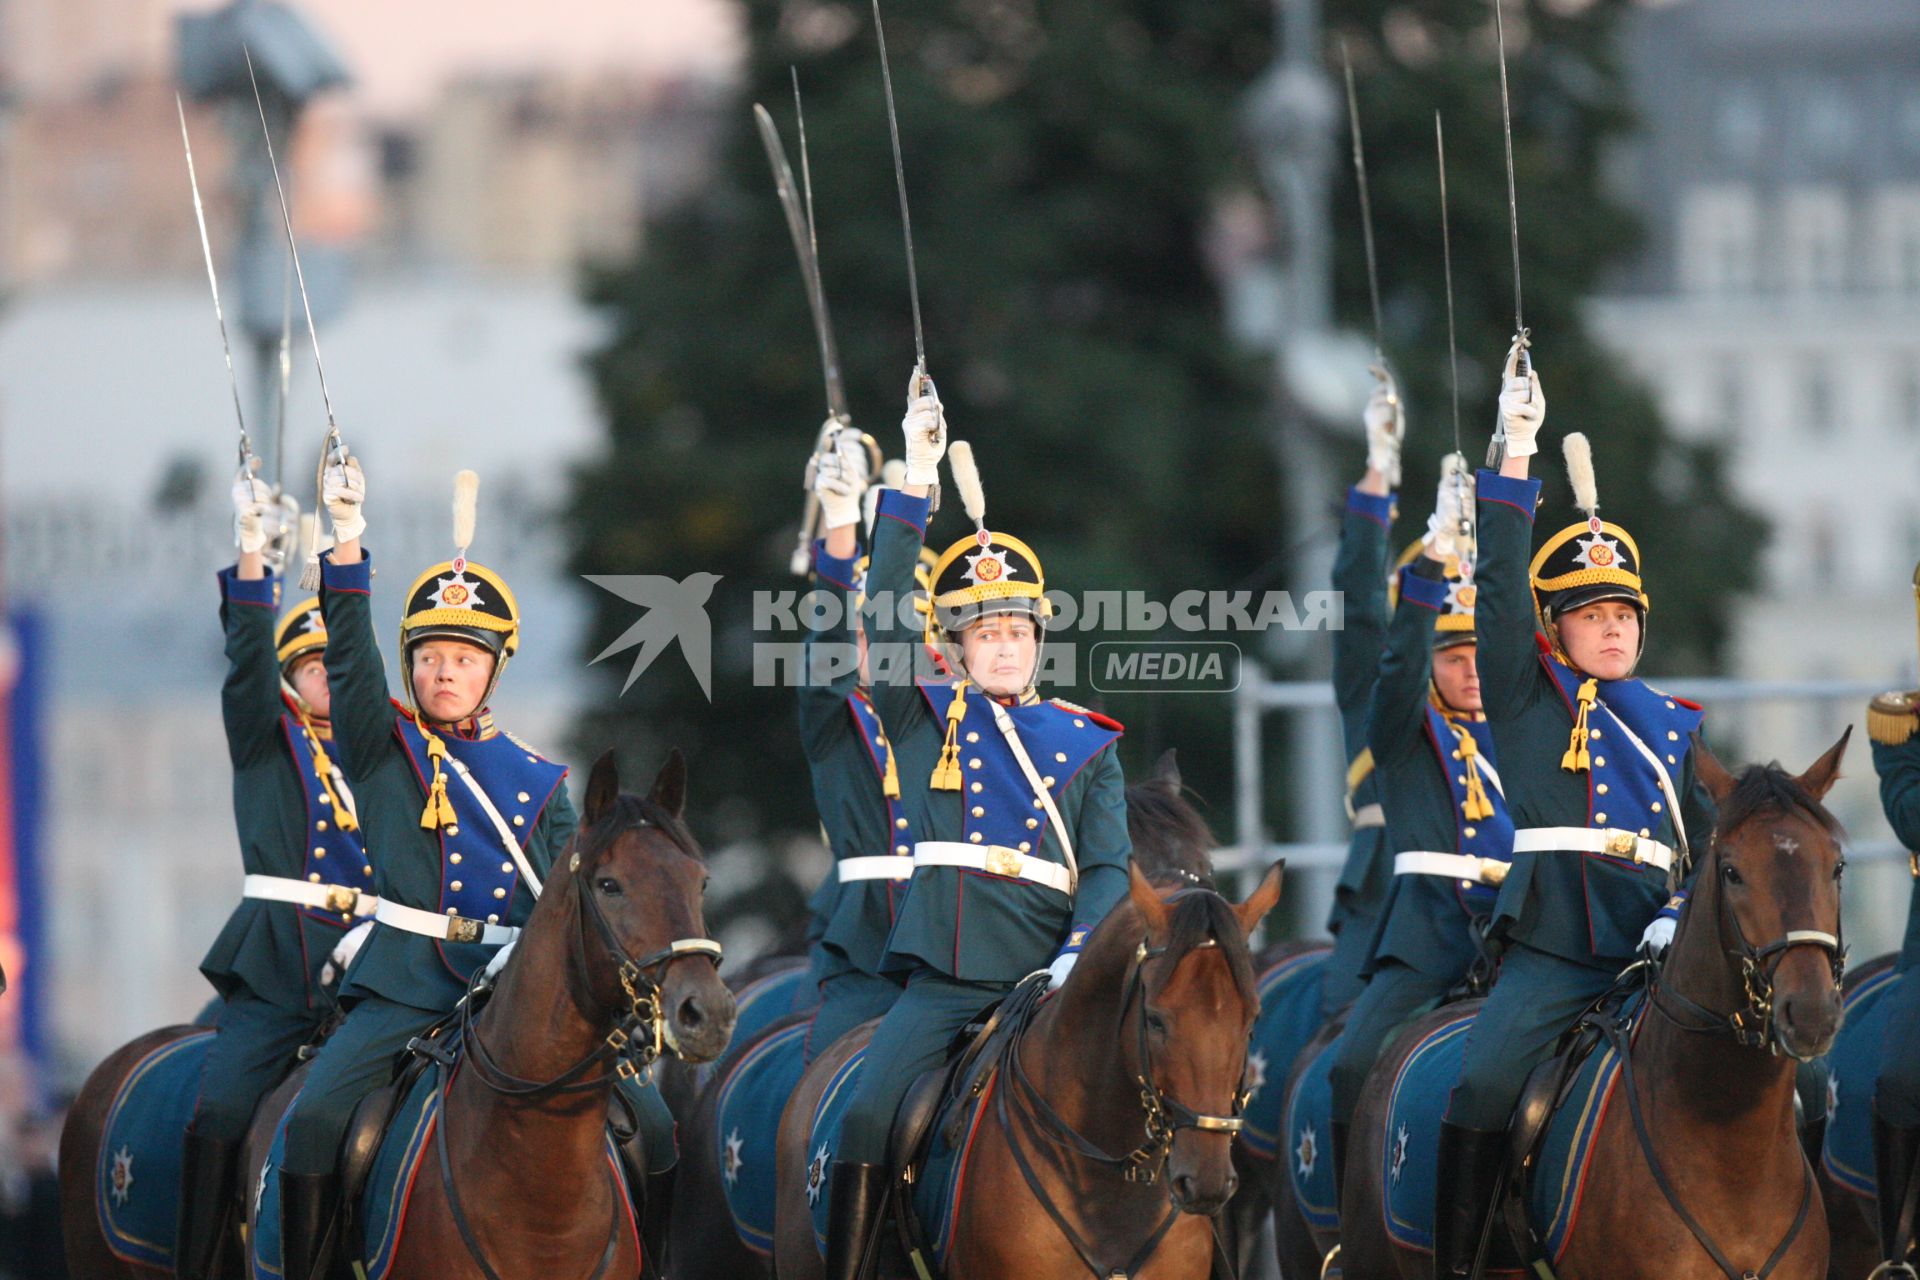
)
(1893, 1271)
(1326, 1263)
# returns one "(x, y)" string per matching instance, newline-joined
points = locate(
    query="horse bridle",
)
(1164, 1117)
(639, 1033)
(1752, 1026)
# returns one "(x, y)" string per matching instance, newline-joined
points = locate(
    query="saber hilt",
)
(1522, 368)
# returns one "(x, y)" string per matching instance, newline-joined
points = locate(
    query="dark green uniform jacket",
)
(1899, 770)
(973, 925)
(1360, 576)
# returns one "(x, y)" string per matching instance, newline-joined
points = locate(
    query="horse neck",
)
(1718, 1084)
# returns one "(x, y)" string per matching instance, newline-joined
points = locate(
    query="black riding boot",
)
(1465, 1182)
(205, 1233)
(308, 1207)
(1338, 1134)
(656, 1214)
(856, 1195)
(1894, 1154)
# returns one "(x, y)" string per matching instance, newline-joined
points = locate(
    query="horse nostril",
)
(1183, 1190)
(690, 1016)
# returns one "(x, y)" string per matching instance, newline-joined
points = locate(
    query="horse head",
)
(1186, 1014)
(1770, 893)
(638, 876)
(1172, 843)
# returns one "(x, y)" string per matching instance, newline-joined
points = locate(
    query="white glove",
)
(1522, 408)
(1386, 427)
(1062, 966)
(1658, 936)
(1451, 504)
(344, 951)
(253, 511)
(499, 961)
(925, 428)
(343, 489)
(840, 479)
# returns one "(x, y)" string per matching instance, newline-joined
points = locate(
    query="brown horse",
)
(1147, 1040)
(1699, 1174)
(1171, 846)
(616, 943)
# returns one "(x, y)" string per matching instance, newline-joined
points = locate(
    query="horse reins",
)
(1164, 1117)
(639, 1032)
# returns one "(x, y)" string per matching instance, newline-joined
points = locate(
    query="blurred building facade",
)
(1776, 309)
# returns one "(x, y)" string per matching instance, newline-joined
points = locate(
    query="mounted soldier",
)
(307, 876)
(1447, 820)
(464, 821)
(1600, 783)
(1018, 803)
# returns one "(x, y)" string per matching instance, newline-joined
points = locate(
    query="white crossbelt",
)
(994, 859)
(1369, 815)
(306, 893)
(1608, 840)
(885, 866)
(1454, 866)
(447, 928)
(507, 839)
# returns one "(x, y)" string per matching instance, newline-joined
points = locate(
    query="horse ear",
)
(1712, 774)
(603, 787)
(670, 788)
(1265, 896)
(1146, 900)
(1824, 772)
(1166, 770)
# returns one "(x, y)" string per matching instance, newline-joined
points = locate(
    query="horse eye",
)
(609, 886)
(1156, 1024)
(1731, 874)
(1839, 869)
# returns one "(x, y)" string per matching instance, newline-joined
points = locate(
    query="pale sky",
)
(400, 50)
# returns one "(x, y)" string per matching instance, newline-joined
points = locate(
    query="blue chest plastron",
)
(333, 856)
(899, 829)
(1624, 791)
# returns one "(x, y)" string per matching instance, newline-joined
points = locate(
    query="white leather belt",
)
(447, 928)
(1369, 815)
(1608, 840)
(885, 866)
(994, 859)
(1454, 866)
(306, 893)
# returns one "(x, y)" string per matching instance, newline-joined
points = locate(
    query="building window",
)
(1729, 408)
(1740, 124)
(1822, 562)
(1817, 408)
(1907, 400)
(1827, 122)
(1813, 225)
(1719, 239)
(1895, 239)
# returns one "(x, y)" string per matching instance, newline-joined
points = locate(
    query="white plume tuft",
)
(305, 545)
(893, 473)
(966, 478)
(466, 501)
(1586, 488)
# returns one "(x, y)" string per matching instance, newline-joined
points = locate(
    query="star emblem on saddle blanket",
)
(121, 1179)
(456, 592)
(1833, 1094)
(1256, 1073)
(1307, 1151)
(817, 1175)
(1399, 1160)
(260, 1188)
(730, 1162)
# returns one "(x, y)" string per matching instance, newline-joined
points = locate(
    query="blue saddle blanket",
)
(137, 1184)
(1310, 1159)
(746, 1128)
(767, 999)
(1853, 1065)
(1417, 1102)
(1289, 1017)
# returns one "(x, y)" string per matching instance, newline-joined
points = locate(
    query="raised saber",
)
(1446, 257)
(213, 282)
(1366, 205)
(1497, 447)
(906, 218)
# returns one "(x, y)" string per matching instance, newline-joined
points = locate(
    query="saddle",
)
(374, 1114)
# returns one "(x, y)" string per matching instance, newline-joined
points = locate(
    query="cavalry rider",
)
(459, 816)
(1018, 803)
(1447, 821)
(1360, 576)
(1600, 781)
(856, 779)
(1893, 725)
(307, 877)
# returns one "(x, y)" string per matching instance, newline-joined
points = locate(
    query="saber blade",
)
(900, 181)
(829, 348)
(213, 282)
(1446, 256)
(1506, 127)
(1366, 203)
(797, 229)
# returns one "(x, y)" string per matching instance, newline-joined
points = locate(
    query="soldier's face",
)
(309, 680)
(999, 651)
(449, 679)
(1457, 676)
(1602, 639)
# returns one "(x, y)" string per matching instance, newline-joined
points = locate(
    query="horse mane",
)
(630, 812)
(1161, 819)
(1769, 789)
(1196, 917)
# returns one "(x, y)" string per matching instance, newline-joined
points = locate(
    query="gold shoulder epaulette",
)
(522, 743)
(1894, 717)
(1064, 705)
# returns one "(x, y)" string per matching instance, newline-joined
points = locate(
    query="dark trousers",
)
(252, 1053)
(355, 1060)
(912, 1038)
(1896, 1090)
(1537, 997)
(847, 999)
(1395, 994)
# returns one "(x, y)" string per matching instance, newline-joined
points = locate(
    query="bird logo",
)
(675, 610)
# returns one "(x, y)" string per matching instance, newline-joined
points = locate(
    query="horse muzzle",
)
(696, 1014)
